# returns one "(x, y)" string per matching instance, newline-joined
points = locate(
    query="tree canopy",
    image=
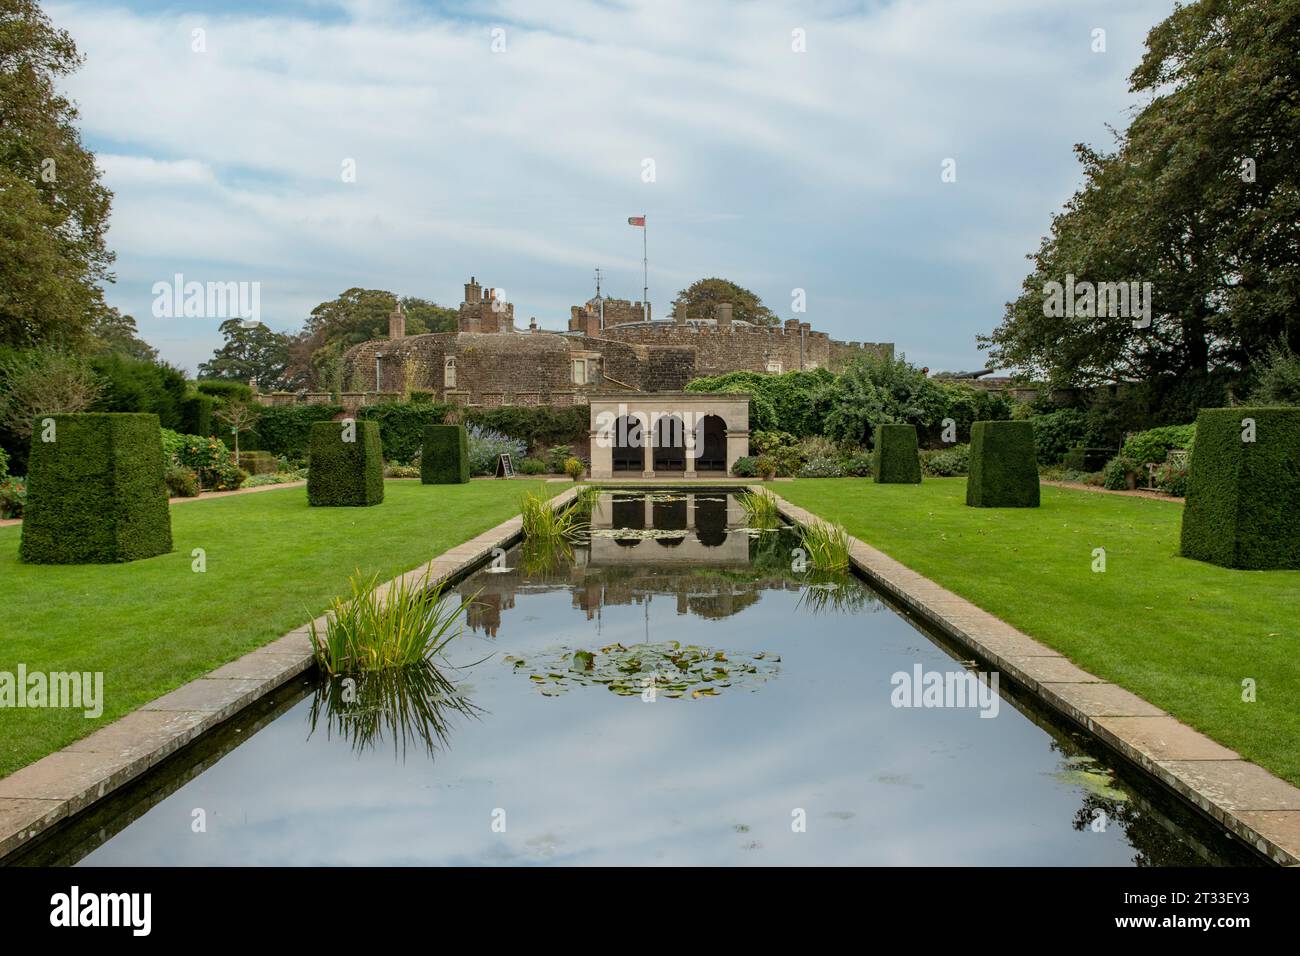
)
(702, 297)
(1200, 197)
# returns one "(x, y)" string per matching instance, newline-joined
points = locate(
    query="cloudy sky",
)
(510, 140)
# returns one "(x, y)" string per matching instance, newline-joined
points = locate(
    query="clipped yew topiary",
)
(1003, 466)
(95, 490)
(346, 467)
(444, 459)
(1243, 489)
(895, 460)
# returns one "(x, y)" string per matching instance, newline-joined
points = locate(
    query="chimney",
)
(679, 313)
(724, 316)
(473, 293)
(792, 325)
(397, 322)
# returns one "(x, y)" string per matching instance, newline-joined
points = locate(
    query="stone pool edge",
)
(68, 781)
(1246, 799)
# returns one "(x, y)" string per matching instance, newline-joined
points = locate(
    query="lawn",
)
(273, 563)
(1180, 633)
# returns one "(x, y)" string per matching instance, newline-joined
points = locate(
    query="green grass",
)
(1182, 634)
(273, 563)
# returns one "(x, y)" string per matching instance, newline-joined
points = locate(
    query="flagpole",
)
(645, 266)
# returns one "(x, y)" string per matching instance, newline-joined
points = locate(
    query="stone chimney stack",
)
(473, 292)
(397, 322)
(724, 316)
(679, 313)
(532, 324)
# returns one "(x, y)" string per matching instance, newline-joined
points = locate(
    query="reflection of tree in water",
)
(412, 705)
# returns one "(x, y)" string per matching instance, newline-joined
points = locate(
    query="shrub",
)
(894, 459)
(1243, 497)
(402, 471)
(574, 468)
(258, 462)
(1154, 444)
(208, 458)
(531, 466)
(555, 458)
(745, 467)
(781, 447)
(345, 473)
(279, 478)
(1003, 466)
(196, 415)
(535, 426)
(1172, 479)
(1278, 381)
(96, 494)
(946, 462)
(822, 468)
(1115, 474)
(182, 482)
(444, 459)
(13, 497)
(4, 464)
(765, 466)
(136, 385)
(858, 466)
(1057, 432)
(486, 445)
(420, 397)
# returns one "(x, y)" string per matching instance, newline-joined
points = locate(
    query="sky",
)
(315, 146)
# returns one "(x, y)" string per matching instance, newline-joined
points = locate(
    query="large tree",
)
(702, 297)
(252, 354)
(1200, 196)
(53, 208)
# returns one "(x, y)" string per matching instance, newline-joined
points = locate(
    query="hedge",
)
(1003, 466)
(1082, 458)
(226, 391)
(286, 429)
(196, 415)
(345, 473)
(402, 426)
(96, 494)
(1243, 497)
(445, 457)
(136, 385)
(895, 460)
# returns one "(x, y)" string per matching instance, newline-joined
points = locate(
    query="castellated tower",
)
(485, 310)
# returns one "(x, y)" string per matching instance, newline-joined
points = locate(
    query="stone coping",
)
(1252, 803)
(68, 781)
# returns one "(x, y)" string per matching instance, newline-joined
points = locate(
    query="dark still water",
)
(674, 692)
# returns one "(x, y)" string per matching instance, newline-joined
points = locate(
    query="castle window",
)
(586, 370)
(579, 371)
(449, 372)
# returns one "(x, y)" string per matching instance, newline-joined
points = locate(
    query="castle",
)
(611, 345)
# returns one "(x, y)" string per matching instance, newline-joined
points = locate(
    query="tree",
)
(703, 296)
(111, 331)
(241, 417)
(45, 381)
(53, 208)
(251, 354)
(1200, 197)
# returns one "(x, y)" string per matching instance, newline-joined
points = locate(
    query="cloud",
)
(817, 170)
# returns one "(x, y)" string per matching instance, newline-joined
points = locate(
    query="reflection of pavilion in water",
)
(698, 566)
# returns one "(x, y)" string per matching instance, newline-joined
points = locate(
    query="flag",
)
(636, 221)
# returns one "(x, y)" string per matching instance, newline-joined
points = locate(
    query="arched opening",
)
(711, 441)
(670, 444)
(627, 512)
(670, 514)
(711, 520)
(629, 445)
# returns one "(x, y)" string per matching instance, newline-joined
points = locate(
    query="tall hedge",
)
(402, 425)
(287, 429)
(95, 492)
(895, 460)
(1003, 466)
(1243, 497)
(345, 473)
(196, 415)
(445, 457)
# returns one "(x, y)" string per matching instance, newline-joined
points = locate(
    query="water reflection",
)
(407, 705)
